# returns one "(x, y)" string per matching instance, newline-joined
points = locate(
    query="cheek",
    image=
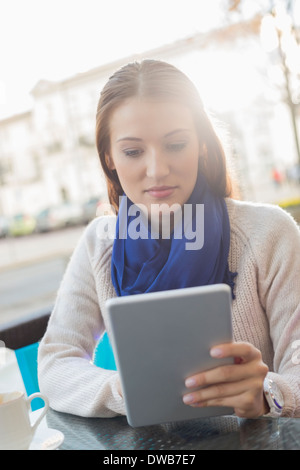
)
(189, 172)
(129, 178)
(122, 168)
(130, 171)
(189, 165)
(191, 157)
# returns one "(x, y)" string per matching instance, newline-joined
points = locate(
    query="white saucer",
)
(46, 439)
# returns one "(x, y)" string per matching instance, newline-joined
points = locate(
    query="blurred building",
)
(48, 154)
(20, 172)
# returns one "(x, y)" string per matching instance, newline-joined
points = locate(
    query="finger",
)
(245, 351)
(222, 391)
(227, 373)
(246, 404)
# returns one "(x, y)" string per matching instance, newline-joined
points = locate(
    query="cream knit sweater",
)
(264, 250)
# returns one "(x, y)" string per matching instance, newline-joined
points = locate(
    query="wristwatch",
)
(273, 396)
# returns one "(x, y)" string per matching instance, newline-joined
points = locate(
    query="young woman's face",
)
(155, 151)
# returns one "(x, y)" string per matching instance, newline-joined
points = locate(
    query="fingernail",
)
(188, 399)
(190, 383)
(216, 352)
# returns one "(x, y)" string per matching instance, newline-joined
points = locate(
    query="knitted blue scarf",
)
(143, 264)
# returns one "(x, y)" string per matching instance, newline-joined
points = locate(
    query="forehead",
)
(141, 117)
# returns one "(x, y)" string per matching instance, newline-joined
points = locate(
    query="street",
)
(31, 269)
(29, 289)
(17, 251)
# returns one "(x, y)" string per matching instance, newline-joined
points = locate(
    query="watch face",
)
(276, 394)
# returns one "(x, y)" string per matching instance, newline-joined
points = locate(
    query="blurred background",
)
(55, 56)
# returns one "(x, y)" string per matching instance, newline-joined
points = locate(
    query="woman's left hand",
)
(238, 385)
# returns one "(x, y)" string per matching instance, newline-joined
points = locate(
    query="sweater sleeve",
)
(67, 376)
(278, 261)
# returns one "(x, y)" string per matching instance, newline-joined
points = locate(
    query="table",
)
(114, 434)
(220, 433)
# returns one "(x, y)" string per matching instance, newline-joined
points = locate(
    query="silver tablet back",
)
(159, 339)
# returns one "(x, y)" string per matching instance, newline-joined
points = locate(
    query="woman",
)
(158, 149)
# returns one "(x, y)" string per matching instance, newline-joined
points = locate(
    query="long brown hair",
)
(159, 80)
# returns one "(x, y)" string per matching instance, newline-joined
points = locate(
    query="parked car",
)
(4, 226)
(45, 221)
(22, 224)
(69, 213)
(60, 216)
(89, 209)
(293, 207)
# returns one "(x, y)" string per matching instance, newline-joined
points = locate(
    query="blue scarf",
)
(148, 264)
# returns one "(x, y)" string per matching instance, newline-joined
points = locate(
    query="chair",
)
(23, 337)
(104, 356)
(27, 362)
(24, 331)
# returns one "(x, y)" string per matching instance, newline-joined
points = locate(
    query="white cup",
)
(16, 431)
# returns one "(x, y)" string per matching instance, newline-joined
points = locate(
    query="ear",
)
(109, 162)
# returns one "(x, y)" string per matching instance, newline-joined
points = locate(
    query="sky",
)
(55, 39)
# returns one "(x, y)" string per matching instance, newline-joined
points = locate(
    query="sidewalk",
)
(21, 251)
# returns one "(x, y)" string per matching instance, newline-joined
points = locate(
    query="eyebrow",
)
(166, 135)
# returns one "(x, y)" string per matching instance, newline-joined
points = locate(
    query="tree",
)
(278, 16)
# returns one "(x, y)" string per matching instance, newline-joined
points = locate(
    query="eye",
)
(133, 152)
(176, 146)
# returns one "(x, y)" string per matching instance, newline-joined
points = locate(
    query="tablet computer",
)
(159, 339)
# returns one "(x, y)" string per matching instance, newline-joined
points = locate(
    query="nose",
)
(157, 165)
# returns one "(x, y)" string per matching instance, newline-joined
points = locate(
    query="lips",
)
(161, 192)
